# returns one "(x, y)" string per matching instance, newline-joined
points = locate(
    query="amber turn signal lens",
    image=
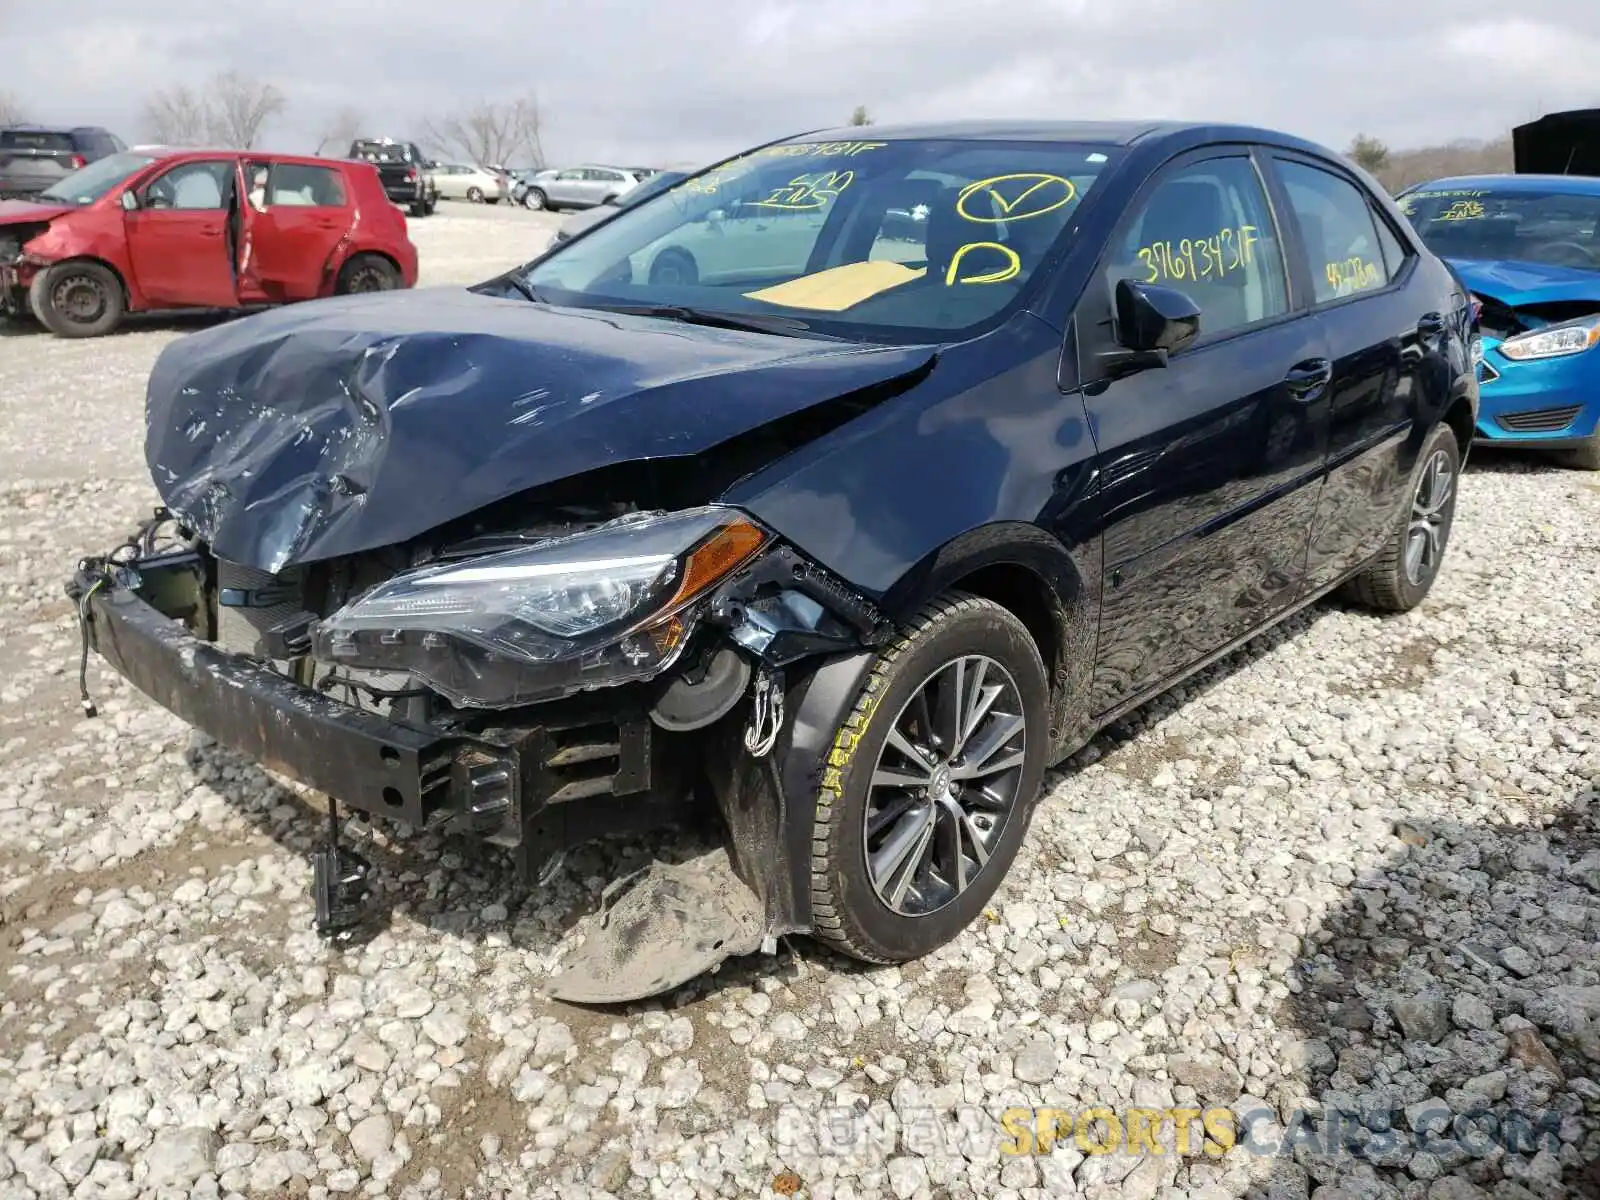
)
(717, 557)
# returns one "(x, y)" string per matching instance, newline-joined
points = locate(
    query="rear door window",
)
(1338, 231)
(35, 139)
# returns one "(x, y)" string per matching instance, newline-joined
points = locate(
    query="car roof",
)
(36, 128)
(1106, 133)
(176, 153)
(1567, 185)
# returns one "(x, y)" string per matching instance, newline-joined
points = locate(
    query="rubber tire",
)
(687, 267)
(535, 200)
(359, 262)
(1585, 456)
(847, 913)
(1383, 586)
(44, 283)
(474, 195)
(420, 208)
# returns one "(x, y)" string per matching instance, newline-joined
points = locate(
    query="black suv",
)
(32, 157)
(404, 171)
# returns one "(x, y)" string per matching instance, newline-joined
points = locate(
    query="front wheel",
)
(1403, 573)
(77, 299)
(535, 200)
(931, 783)
(675, 268)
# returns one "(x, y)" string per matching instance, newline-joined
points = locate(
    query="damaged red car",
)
(197, 229)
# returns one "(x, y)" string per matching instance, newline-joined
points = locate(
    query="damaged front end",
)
(582, 673)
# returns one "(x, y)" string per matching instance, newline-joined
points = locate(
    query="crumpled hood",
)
(336, 426)
(25, 212)
(1515, 283)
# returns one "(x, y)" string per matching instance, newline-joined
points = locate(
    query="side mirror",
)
(130, 202)
(1152, 323)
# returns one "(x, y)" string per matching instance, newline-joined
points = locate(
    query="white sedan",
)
(458, 181)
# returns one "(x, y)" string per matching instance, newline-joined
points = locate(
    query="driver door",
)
(178, 237)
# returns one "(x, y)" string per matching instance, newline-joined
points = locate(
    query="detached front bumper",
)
(515, 785)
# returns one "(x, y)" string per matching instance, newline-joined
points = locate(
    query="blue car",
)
(830, 542)
(1528, 247)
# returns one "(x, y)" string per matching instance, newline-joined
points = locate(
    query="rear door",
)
(178, 236)
(1383, 333)
(34, 159)
(1210, 467)
(295, 218)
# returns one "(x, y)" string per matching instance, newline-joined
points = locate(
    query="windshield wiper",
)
(525, 288)
(746, 322)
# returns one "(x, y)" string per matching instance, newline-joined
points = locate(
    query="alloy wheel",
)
(944, 785)
(1430, 511)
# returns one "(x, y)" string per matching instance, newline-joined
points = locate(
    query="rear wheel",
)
(475, 195)
(420, 208)
(931, 784)
(77, 299)
(1403, 573)
(367, 273)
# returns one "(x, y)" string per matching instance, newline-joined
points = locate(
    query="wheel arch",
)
(128, 293)
(1462, 420)
(1032, 575)
(768, 806)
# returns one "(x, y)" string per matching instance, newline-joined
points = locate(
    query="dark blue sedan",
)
(762, 503)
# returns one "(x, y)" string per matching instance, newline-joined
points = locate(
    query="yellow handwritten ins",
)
(1011, 270)
(819, 150)
(1210, 257)
(1009, 207)
(806, 192)
(1462, 210)
(1353, 274)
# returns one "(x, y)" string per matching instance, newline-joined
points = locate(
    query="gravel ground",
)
(1345, 885)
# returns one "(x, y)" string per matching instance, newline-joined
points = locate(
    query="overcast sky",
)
(681, 80)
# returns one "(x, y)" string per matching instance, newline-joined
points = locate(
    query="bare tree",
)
(11, 110)
(176, 116)
(230, 111)
(859, 116)
(238, 108)
(343, 128)
(491, 133)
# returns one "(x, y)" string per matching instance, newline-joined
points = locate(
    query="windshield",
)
(1526, 226)
(89, 184)
(917, 240)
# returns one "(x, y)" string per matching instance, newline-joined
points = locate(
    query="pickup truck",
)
(404, 171)
(33, 157)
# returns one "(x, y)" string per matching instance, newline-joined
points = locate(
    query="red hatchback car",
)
(156, 229)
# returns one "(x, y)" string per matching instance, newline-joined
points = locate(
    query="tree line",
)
(234, 110)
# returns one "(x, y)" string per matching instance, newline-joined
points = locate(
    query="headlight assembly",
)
(1553, 341)
(608, 606)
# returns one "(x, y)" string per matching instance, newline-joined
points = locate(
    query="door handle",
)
(1431, 325)
(1306, 380)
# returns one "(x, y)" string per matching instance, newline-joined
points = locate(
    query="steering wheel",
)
(1580, 256)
